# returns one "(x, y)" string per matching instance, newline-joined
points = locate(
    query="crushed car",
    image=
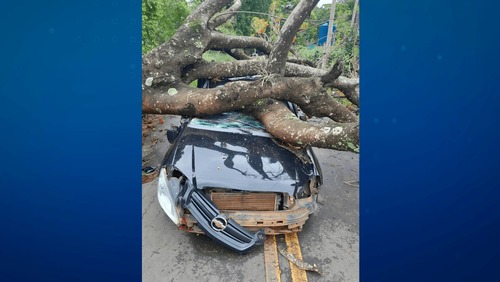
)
(226, 177)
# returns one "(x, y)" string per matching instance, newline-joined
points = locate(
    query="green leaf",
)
(172, 91)
(353, 147)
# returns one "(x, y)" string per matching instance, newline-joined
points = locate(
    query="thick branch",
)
(333, 73)
(163, 65)
(301, 62)
(322, 104)
(350, 88)
(223, 69)
(279, 53)
(284, 125)
(244, 68)
(206, 10)
(222, 41)
(293, 69)
(185, 100)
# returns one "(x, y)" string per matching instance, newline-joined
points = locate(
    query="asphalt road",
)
(330, 238)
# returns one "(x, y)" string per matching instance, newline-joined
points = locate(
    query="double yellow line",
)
(271, 261)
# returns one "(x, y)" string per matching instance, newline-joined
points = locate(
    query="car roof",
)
(233, 122)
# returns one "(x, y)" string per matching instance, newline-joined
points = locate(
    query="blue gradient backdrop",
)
(71, 146)
(429, 141)
(70, 154)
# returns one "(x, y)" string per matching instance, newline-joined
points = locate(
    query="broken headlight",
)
(168, 191)
(304, 191)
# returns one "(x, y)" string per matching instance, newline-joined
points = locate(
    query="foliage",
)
(311, 53)
(160, 20)
(217, 56)
(243, 24)
(259, 25)
(346, 46)
(346, 43)
(193, 4)
(269, 19)
(227, 28)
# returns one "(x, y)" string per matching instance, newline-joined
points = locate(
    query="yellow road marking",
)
(293, 247)
(273, 271)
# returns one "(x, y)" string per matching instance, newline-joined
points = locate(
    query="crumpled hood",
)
(237, 161)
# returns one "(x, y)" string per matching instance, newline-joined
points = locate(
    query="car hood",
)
(243, 161)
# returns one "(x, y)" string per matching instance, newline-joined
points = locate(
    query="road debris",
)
(352, 183)
(299, 263)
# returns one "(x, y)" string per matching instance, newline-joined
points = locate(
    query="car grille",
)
(232, 235)
(245, 201)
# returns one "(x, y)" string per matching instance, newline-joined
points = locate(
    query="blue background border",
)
(70, 152)
(429, 158)
(71, 148)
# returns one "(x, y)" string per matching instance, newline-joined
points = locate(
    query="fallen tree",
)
(168, 70)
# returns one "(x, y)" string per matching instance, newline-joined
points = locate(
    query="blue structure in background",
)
(323, 33)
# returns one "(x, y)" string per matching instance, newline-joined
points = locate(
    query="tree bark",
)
(279, 53)
(354, 13)
(222, 41)
(224, 17)
(168, 69)
(280, 122)
(243, 68)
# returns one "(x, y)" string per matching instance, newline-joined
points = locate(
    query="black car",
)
(226, 177)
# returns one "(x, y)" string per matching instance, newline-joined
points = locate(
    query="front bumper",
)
(271, 222)
(175, 195)
(240, 231)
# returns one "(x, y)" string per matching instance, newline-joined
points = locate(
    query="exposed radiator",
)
(245, 201)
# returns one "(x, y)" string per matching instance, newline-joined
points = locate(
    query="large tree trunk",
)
(168, 70)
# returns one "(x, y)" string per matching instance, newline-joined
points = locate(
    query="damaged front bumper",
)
(271, 222)
(174, 197)
(239, 230)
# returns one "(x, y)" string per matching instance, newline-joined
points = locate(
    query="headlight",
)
(168, 191)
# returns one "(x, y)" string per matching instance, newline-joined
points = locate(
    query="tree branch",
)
(222, 41)
(224, 17)
(185, 100)
(206, 10)
(238, 54)
(223, 69)
(301, 62)
(333, 73)
(279, 53)
(243, 68)
(163, 65)
(350, 88)
(168, 68)
(279, 121)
